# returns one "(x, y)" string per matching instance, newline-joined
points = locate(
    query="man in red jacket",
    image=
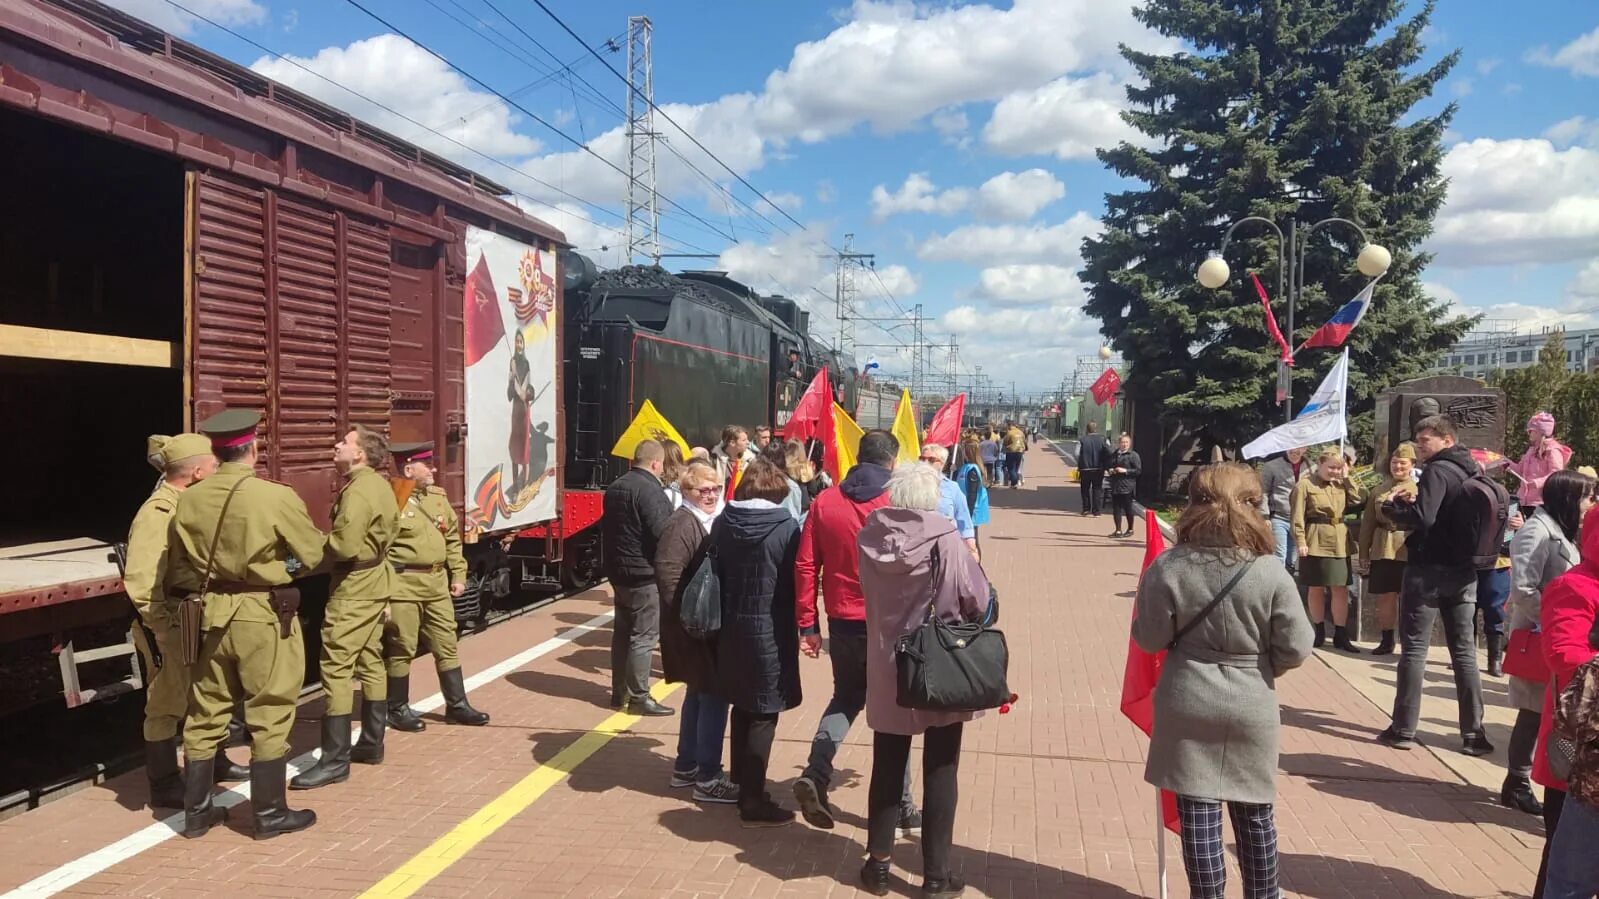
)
(828, 549)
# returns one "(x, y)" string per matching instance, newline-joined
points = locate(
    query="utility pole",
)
(643, 223)
(918, 355)
(844, 292)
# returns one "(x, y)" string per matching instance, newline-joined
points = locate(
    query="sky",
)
(954, 141)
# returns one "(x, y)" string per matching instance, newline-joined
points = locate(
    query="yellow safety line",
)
(421, 868)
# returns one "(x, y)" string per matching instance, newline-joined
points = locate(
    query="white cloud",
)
(400, 75)
(826, 191)
(1441, 292)
(953, 126)
(1580, 57)
(1575, 131)
(1035, 347)
(1584, 289)
(1518, 201)
(918, 194)
(165, 16)
(1018, 196)
(1531, 319)
(1059, 244)
(1487, 66)
(1069, 118)
(1029, 284)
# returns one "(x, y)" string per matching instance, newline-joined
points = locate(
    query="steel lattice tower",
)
(643, 223)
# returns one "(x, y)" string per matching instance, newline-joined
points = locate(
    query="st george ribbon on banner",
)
(1323, 420)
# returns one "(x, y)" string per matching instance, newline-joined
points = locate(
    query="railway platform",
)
(559, 796)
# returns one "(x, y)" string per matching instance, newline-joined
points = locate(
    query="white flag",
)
(1321, 421)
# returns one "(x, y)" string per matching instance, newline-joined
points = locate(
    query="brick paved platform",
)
(1052, 797)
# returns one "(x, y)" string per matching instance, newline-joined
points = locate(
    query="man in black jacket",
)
(636, 509)
(1092, 452)
(1440, 577)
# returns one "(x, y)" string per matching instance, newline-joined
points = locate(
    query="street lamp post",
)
(1292, 250)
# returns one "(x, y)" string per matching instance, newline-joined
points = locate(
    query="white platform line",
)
(87, 866)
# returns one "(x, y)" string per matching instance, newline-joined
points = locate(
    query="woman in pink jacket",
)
(1567, 622)
(1544, 456)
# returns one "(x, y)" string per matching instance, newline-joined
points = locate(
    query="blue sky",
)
(953, 140)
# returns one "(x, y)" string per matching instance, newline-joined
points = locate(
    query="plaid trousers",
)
(1204, 856)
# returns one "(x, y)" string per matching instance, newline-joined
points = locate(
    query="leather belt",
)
(1319, 519)
(358, 566)
(238, 587)
(402, 568)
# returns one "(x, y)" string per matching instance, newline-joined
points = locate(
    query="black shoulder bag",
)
(1214, 602)
(700, 608)
(947, 667)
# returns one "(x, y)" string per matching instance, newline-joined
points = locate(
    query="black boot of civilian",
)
(1386, 646)
(1341, 639)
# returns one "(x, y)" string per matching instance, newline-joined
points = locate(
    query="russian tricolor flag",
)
(1336, 331)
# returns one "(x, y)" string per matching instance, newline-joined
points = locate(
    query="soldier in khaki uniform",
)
(429, 569)
(236, 542)
(183, 460)
(364, 520)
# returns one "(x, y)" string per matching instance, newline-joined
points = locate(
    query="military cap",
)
(231, 427)
(404, 453)
(163, 451)
(1406, 450)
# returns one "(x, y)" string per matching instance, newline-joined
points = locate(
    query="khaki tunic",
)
(166, 695)
(429, 534)
(1316, 513)
(266, 525)
(1380, 538)
(364, 523)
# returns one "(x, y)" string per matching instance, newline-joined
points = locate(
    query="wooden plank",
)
(81, 346)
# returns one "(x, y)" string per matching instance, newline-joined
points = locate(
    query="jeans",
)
(702, 725)
(1093, 484)
(1204, 857)
(1554, 802)
(634, 633)
(1431, 590)
(752, 752)
(1523, 740)
(993, 471)
(1573, 863)
(891, 756)
(846, 649)
(1013, 469)
(1493, 589)
(1282, 533)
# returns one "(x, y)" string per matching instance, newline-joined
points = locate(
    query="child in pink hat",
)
(1545, 455)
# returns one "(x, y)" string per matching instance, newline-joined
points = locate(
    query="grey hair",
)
(937, 450)
(917, 487)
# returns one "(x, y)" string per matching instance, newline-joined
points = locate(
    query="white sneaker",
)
(720, 790)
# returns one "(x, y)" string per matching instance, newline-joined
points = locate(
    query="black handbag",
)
(700, 609)
(946, 667)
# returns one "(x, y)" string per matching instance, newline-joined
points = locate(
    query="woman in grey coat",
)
(1542, 550)
(1216, 712)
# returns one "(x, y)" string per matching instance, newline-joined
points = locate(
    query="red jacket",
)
(1566, 619)
(828, 547)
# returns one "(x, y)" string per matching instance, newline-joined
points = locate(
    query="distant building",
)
(1501, 346)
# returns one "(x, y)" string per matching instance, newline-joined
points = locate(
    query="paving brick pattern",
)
(1052, 802)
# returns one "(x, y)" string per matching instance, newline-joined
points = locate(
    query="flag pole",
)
(1160, 843)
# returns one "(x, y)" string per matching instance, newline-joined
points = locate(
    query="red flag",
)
(484, 327)
(1143, 673)
(1271, 322)
(815, 405)
(946, 427)
(1104, 389)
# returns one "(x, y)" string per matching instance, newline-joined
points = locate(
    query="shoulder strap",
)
(1215, 601)
(216, 535)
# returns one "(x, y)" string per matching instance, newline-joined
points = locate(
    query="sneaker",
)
(767, 814)
(1393, 739)
(721, 791)
(812, 799)
(874, 876)
(682, 779)
(910, 822)
(1476, 745)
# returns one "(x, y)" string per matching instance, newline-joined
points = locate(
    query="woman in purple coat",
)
(899, 578)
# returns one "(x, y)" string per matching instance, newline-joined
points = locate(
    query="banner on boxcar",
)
(512, 351)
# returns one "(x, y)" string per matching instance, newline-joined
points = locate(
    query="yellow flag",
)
(846, 444)
(904, 430)
(648, 424)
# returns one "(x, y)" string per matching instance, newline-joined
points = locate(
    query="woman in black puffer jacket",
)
(757, 649)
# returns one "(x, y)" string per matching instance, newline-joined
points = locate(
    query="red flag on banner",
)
(1143, 673)
(1271, 322)
(814, 405)
(484, 326)
(1104, 389)
(946, 427)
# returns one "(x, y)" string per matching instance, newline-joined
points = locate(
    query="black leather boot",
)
(1517, 794)
(334, 765)
(228, 772)
(1321, 633)
(1341, 639)
(200, 814)
(272, 813)
(456, 709)
(374, 719)
(238, 733)
(1496, 655)
(401, 715)
(161, 765)
(1386, 646)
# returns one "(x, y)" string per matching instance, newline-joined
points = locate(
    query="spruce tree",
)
(1281, 108)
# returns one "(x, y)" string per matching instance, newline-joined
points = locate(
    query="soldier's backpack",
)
(1485, 506)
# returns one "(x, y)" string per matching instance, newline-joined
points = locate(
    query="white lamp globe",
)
(1373, 260)
(1104, 352)
(1213, 272)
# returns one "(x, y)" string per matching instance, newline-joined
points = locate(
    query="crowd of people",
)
(789, 550)
(1264, 558)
